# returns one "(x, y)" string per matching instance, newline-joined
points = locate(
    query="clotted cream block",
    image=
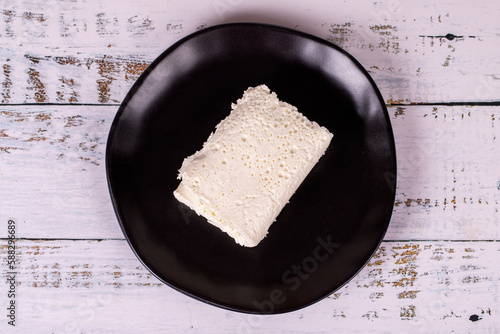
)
(251, 165)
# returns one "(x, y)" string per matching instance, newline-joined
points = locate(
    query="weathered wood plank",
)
(53, 176)
(99, 286)
(448, 173)
(91, 51)
(53, 179)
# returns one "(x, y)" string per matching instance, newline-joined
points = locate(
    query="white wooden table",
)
(65, 66)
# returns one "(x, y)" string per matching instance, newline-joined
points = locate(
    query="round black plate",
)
(333, 223)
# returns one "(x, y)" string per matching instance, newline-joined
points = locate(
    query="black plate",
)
(333, 223)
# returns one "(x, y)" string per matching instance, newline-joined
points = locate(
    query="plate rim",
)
(137, 84)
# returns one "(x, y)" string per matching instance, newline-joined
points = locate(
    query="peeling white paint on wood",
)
(448, 172)
(99, 286)
(53, 158)
(52, 177)
(92, 51)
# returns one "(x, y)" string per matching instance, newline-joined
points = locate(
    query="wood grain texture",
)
(448, 172)
(65, 65)
(92, 52)
(53, 158)
(99, 286)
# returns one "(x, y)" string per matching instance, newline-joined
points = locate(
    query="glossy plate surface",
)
(333, 223)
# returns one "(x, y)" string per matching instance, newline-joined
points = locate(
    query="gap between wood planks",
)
(388, 240)
(448, 104)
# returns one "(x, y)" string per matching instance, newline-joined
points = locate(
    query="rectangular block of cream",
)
(251, 165)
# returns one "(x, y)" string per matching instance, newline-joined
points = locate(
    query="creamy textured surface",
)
(251, 165)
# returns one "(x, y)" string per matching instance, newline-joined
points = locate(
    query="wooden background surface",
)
(65, 66)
